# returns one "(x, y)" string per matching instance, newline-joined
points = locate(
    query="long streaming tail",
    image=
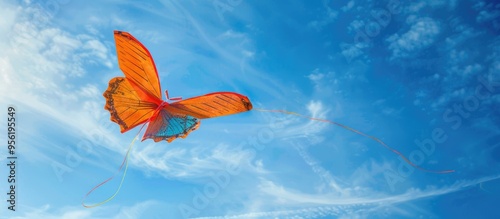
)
(124, 163)
(359, 133)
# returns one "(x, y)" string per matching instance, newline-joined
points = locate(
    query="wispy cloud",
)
(138, 210)
(333, 205)
(422, 33)
(348, 6)
(190, 162)
(325, 19)
(48, 61)
(417, 6)
(487, 12)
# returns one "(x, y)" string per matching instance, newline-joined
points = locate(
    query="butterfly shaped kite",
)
(136, 98)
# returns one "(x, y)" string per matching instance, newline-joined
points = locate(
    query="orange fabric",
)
(138, 66)
(125, 105)
(136, 98)
(211, 105)
(131, 100)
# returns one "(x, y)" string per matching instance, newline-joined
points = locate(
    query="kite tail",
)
(124, 163)
(362, 134)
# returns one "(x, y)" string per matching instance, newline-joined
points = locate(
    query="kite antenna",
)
(173, 98)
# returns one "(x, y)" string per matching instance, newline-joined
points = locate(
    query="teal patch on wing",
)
(168, 126)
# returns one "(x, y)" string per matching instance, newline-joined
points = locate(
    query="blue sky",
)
(423, 76)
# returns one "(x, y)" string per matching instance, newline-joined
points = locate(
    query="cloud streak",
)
(332, 205)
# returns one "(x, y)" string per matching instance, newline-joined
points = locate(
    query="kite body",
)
(136, 98)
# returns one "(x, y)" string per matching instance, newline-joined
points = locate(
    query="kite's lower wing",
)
(125, 106)
(168, 126)
(212, 105)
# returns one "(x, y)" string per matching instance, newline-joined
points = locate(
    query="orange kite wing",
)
(125, 106)
(138, 66)
(211, 105)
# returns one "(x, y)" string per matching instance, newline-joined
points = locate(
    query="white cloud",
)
(485, 16)
(97, 50)
(138, 210)
(197, 161)
(328, 17)
(348, 6)
(324, 174)
(325, 83)
(89, 91)
(44, 72)
(315, 76)
(355, 25)
(422, 34)
(463, 34)
(320, 205)
(487, 11)
(351, 51)
(316, 108)
(232, 34)
(472, 69)
(53, 54)
(308, 129)
(9, 15)
(415, 7)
